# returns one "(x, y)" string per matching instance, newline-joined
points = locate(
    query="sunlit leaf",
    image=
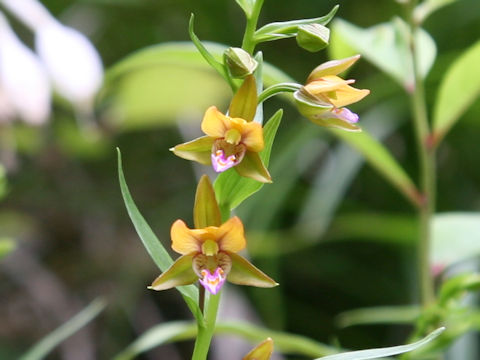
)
(41, 349)
(387, 46)
(456, 237)
(153, 246)
(460, 87)
(382, 352)
(232, 189)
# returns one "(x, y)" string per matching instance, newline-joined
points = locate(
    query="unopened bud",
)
(313, 37)
(239, 62)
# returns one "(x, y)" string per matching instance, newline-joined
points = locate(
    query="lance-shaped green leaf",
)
(244, 273)
(460, 87)
(383, 161)
(232, 189)
(379, 315)
(206, 211)
(382, 352)
(205, 53)
(287, 29)
(3, 182)
(262, 351)
(153, 246)
(244, 103)
(387, 46)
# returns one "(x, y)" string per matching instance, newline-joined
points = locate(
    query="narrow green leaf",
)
(205, 53)
(41, 349)
(205, 211)
(387, 46)
(455, 237)
(382, 352)
(460, 87)
(379, 315)
(3, 182)
(382, 160)
(153, 246)
(232, 189)
(287, 29)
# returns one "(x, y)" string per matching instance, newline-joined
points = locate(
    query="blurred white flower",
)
(71, 60)
(23, 78)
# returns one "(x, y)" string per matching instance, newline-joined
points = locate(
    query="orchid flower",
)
(209, 252)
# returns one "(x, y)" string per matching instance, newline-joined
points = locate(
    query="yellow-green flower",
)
(209, 253)
(232, 140)
(323, 97)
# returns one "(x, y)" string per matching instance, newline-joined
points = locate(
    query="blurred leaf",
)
(382, 160)
(159, 85)
(455, 237)
(41, 349)
(379, 315)
(387, 46)
(458, 285)
(6, 247)
(382, 352)
(181, 330)
(382, 228)
(460, 87)
(153, 246)
(426, 8)
(232, 189)
(287, 29)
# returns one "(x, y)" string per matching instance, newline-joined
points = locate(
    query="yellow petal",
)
(347, 95)
(230, 236)
(326, 84)
(252, 136)
(332, 67)
(262, 351)
(215, 124)
(185, 240)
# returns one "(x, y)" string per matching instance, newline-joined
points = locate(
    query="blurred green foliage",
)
(339, 237)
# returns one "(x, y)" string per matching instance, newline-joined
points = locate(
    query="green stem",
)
(427, 171)
(248, 43)
(205, 333)
(277, 89)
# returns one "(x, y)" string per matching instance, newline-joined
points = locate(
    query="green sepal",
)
(262, 351)
(308, 105)
(180, 273)
(335, 123)
(333, 67)
(244, 273)
(313, 37)
(199, 150)
(252, 167)
(287, 29)
(206, 211)
(244, 103)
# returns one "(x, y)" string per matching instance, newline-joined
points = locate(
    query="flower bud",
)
(262, 351)
(239, 62)
(313, 37)
(71, 60)
(23, 79)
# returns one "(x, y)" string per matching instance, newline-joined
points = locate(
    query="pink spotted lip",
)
(221, 163)
(213, 282)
